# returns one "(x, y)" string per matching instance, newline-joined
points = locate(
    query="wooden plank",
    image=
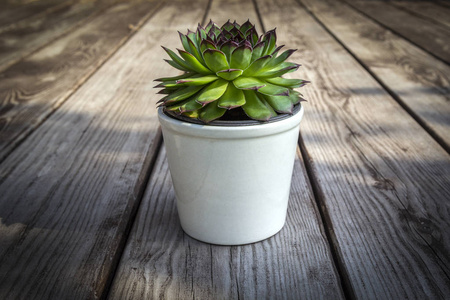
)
(160, 261)
(35, 87)
(428, 10)
(13, 12)
(424, 33)
(27, 37)
(420, 82)
(70, 191)
(382, 180)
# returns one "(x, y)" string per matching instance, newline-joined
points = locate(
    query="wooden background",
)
(87, 209)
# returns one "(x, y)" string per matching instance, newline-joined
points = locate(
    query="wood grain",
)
(69, 191)
(382, 181)
(424, 33)
(161, 262)
(35, 87)
(428, 10)
(15, 11)
(420, 81)
(25, 38)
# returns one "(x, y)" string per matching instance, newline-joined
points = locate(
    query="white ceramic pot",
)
(231, 183)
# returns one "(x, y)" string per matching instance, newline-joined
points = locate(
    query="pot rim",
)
(234, 123)
(229, 132)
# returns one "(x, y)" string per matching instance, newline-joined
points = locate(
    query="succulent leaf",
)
(232, 98)
(194, 51)
(184, 42)
(177, 66)
(192, 114)
(213, 91)
(289, 83)
(174, 78)
(197, 80)
(228, 25)
(246, 26)
(182, 94)
(248, 83)
(177, 59)
(241, 57)
(270, 39)
(281, 104)
(257, 51)
(278, 71)
(280, 59)
(211, 112)
(274, 90)
(215, 60)
(228, 67)
(257, 65)
(193, 63)
(229, 74)
(185, 106)
(255, 108)
(205, 44)
(228, 48)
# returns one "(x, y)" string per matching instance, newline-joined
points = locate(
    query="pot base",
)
(236, 242)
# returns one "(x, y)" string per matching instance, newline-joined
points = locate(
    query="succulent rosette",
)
(230, 67)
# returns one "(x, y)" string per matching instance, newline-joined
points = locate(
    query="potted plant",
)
(230, 124)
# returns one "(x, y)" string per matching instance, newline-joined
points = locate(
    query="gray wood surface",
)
(382, 180)
(14, 11)
(161, 262)
(427, 9)
(420, 82)
(87, 209)
(424, 33)
(70, 191)
(36, 86)
(24, 38)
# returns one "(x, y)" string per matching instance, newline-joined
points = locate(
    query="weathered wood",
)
(420, 82)
(70, 191)
(29, 36)
(424, 33)
(428, 10)
(382, 181)
(13, 12)
(161, 262)
(35, 87)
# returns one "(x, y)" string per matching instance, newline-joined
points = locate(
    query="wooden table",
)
(87, 207)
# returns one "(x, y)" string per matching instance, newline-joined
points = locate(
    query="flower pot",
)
(231, 183)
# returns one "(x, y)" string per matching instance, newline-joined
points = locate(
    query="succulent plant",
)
(230, 67)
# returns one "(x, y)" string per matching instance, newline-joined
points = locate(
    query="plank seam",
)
(319, 206)
(391, 93)
(11, 26)
(79, 24)
(327, 226)
(407, 10)
(22, 137)
(141, 192)
(393, 31)
(147, 169)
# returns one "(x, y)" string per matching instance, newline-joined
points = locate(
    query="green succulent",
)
(230, 67)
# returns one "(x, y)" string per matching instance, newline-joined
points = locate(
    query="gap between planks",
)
(24, 53)
(155, 153)
(443, 56)
(26, 132)
(325, 222)
(441, 140)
